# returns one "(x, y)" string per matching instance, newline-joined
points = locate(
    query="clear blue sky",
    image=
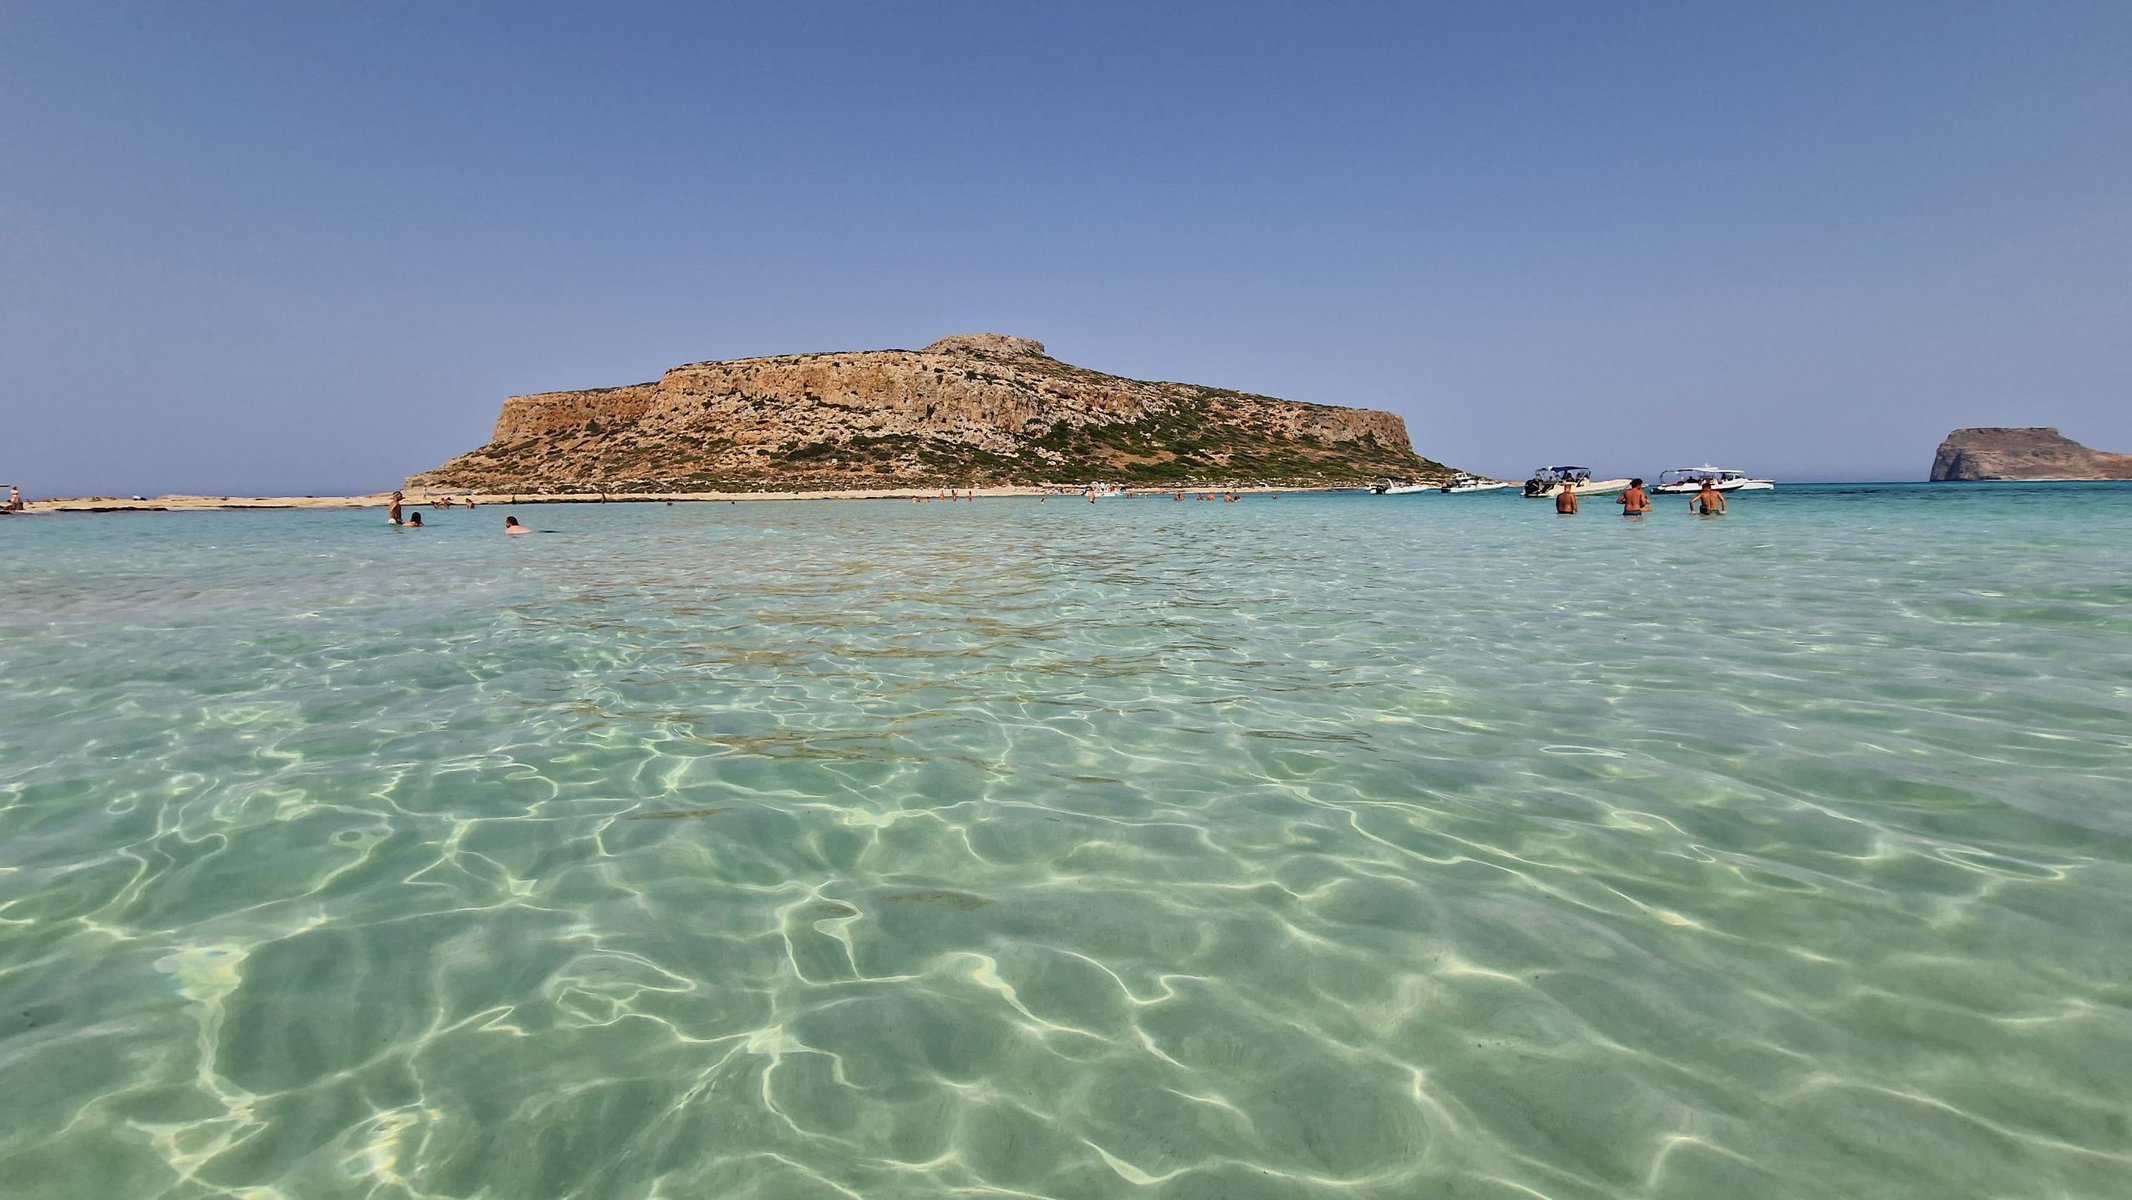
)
(310, 248)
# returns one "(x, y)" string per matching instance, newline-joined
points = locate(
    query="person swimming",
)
(1709, 502)
(512, 528)
(1635, 502)
(414, 521)
(1566, 501)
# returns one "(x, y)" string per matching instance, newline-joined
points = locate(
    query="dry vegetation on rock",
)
(968, 410)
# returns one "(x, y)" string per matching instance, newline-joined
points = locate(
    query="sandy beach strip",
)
(424, 499)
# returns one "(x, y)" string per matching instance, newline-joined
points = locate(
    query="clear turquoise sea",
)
(1314, 847)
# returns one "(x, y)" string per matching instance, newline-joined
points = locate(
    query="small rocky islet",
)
(2031, 452)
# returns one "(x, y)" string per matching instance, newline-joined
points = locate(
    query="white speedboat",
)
(1392, 487)
(1690, 479)
(1463, 483)
(1547, 481)
(1104, 491)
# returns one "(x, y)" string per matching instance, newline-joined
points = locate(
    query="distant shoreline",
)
(424, 499)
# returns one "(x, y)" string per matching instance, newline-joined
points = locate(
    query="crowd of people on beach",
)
(1092, 494)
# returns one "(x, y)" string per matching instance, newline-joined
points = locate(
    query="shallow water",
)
(1311, 847)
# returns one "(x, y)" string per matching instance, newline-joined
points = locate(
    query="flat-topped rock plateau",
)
(2033, 452)
(974, 409)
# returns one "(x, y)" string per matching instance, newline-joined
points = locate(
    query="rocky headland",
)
(2035, 452)
(974, 409)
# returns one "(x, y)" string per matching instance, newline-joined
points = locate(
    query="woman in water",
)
(512, 528)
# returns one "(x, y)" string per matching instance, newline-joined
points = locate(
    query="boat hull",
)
(1597, 487)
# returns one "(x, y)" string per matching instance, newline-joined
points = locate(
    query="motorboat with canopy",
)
(1546, 481)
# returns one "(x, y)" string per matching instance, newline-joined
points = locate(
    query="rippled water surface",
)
(1311, 847)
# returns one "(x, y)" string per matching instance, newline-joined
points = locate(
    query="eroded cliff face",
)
(969, 409)
(545, 413)
(2022, 452)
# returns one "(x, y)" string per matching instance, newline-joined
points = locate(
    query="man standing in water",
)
(1566, 499)
(1709, 502)
(1635, 502)
(392, 511)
